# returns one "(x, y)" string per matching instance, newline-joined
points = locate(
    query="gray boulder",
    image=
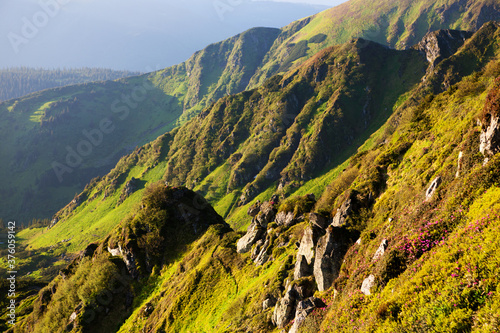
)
(266, 214)
(263, 257)
(305, 255)
(285, 307)
(257, 248)
(342, 213)
(304, 308)
(330, 252)
(254, 233)
(490, 137)
(285, 218)
(368, 284)
(380, 251)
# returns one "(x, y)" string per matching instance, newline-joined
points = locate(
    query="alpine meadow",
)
(340, 174)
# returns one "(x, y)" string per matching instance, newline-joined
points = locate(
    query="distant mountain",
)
(125, 35)
(397, 24)
(46, 135)
(19, 81)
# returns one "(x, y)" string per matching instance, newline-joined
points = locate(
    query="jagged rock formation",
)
(330, 251)
(318, 221)
(287, 306)
(267, 212)
(342, 213)
(304, 308)
(441, 44)
(285, 218)
(305, 255)
(263, 256)
(490, 124)
(319, 257)
(490, 138)
(284, 310)
(429, 193)
(254, 233)
(128, 258)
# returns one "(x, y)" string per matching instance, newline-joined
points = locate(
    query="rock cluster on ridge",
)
(321, 250)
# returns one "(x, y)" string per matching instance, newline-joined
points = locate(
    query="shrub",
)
(298, 205)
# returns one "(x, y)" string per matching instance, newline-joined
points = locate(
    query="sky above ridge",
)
(131, 35)
(329, 3)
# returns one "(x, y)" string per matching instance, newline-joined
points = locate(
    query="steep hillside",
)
(401, 236)
(292, 129)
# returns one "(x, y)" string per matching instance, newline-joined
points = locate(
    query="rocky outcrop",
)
(254, 209)
(380, 251)
(318, 221)
(304, 308)
(368, 284)
(262, 215)
(266, 214)
(490, 123)
(302, 268)
(285, 218)
(285, 307)
(342, 213)
(256, 249)
(269, 302)
(432, 188)
(254, 233)
(441, 44)
(330, 252)
(305, 255)
(128, 258)
(263, 256)
(459, 164)
(490, 137)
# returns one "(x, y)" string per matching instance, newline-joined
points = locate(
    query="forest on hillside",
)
(20, 81)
